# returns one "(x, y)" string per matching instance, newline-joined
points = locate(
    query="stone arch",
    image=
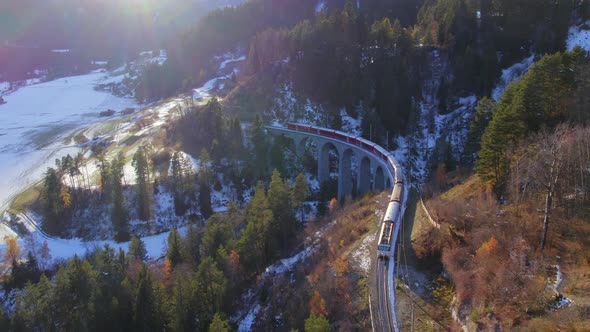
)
(388, 184)
(307, 152)
(364, 175)
(379, 178)
(345, 176)
(328, 161)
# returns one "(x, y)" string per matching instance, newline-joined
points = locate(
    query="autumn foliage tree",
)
(317, 304)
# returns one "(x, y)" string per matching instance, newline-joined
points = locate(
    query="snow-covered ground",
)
(61, 249)
(351, 125)
(579, 36)
(217, 83)
(150, 57)
(4, 86)
(36, 119)
(363, 254)
(321, 6)
(289, 107)
(510, 74)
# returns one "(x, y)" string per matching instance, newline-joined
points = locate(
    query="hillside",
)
(501, 276)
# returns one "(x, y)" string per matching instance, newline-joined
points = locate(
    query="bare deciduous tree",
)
(538, 167)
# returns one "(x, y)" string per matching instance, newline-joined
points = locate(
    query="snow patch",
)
(246, 323)
(287, 264)
(61, 249)
(351, 125)
(224, 63)
(321, 6)
(579, 36)
(363, 254)
(510, 74)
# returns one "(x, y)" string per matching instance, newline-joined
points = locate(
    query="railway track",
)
(385, 322)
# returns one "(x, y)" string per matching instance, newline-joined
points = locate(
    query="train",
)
(393, 213)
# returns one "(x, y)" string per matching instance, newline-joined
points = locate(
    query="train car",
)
(384, 246)
(341, 136)
(397, 193)
(391, 217)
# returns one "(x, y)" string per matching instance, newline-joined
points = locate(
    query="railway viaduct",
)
(372, 173)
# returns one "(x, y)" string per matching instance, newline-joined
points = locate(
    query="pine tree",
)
(317, 324)
(119, 214)
(235, 137)
(145, 307)
(53, 202)
(300, 192)
(217, 233)
(181, 181)
(256, 245)
(142, 174)
(211, 285)
(184, 303)
(105, 178)
(174, 253)
(260, 145)
(279, 201)
(137, 249)
(74, 287)
(483, 114)
(191, 246)
(218, 324)
(35, 308)
(205, 178)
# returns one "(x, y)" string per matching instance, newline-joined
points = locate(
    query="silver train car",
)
(390, 219)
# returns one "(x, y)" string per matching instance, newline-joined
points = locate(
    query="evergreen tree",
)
(174, 247)
(218, 324)
(537, 99)
(205, 179)
(105, 178)
(184, 303)
(137, 249)
(119, 214)
(145, 307)
(181, 181)
(191, 246)
(483, 114)
(109, 301)
(255, 246)
(211, 285)
(258, 137)
(300, 192)
(53, 204)
(35, 308)
(217, 233)
(235, 138)
(317, 324)
(74, 287)
(142, 174)
(279, 202)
